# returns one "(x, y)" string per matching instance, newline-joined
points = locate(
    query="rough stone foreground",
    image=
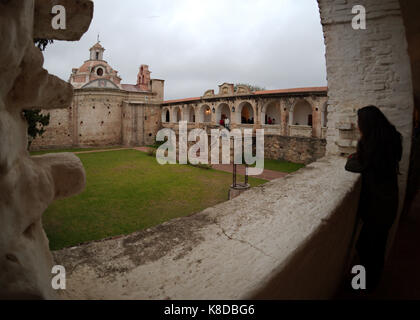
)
(287, 239)
(29, 185)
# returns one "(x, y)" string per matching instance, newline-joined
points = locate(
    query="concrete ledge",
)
(286, 239)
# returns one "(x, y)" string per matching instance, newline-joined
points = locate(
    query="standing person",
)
(227, 122)
(379, 151)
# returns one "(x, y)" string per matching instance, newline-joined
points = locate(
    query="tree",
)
(36, 120)
(252, 87)
(42, 43)
(36, 124)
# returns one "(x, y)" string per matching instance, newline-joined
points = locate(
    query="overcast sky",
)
(195, 45)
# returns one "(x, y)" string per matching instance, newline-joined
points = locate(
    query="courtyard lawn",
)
(41, 152)
(281, 165)
(126, 191)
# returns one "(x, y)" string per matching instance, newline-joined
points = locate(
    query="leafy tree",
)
(252, 87)
(42, 43)
(36, 124)
(36, 120)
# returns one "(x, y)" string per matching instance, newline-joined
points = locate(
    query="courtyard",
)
(127, 190)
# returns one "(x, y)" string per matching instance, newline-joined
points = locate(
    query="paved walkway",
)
(142, 149)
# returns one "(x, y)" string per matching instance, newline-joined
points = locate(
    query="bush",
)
(152, 152)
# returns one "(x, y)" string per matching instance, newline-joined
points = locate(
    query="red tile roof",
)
(131, 87)
(182, 100)
(292, 90)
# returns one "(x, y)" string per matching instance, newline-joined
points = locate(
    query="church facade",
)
(105, 112)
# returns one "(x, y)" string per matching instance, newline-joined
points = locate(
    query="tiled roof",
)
(131, 88)
(292, 90)
(97, 46)
(182, 100)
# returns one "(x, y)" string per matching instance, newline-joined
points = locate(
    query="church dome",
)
(95, 72)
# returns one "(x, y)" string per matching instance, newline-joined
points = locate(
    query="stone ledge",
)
(286, 239)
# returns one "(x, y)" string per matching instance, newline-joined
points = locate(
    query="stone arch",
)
(176, 114)
(271, 110)
(245, 112)
(190, 114)
(223, 111)
(166, 115)
(204, 113)
(301, 113)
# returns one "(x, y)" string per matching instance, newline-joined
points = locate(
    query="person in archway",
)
(222, 120)
(269, 121)
(227, 122)
(273, 121)
(379, 152)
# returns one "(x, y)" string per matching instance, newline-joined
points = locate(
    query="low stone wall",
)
(294, 149)
(287, 239)
(300, 131)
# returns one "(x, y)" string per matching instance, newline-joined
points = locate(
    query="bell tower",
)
(143, 77)
(97, 52)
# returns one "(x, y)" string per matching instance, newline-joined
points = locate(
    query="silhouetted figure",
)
(377, 158)
(274, 121)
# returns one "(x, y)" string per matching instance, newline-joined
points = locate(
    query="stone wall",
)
(294, 149)
(366, 67)
(98, 117)
(140, 123)
(59, 132)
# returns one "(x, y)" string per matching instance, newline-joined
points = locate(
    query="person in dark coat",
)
(379, 152)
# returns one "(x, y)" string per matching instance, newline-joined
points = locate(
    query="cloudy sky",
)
(195, 45)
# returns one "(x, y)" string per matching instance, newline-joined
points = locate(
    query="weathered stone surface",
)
(288, 239)
(27, 185)
(294, 149)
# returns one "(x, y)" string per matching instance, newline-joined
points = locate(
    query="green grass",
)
(41, 152)
(281, 165)
(128, 190)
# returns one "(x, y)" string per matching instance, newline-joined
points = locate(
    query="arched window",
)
(223, 112)
(205, 114)
(302, 114)
(246, 113)
(272, 114)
